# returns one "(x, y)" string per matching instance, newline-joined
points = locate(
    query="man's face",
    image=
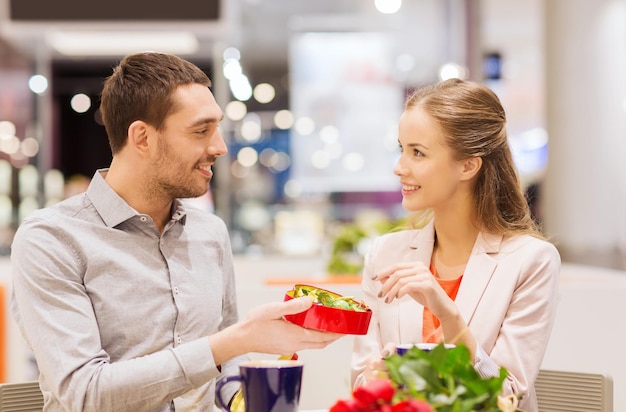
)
(189, 144)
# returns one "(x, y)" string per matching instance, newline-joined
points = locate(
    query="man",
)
(126, 297)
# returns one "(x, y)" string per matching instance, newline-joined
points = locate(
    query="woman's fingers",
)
(403, 282)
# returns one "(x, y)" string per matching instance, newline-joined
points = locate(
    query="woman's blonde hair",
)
(474, 125)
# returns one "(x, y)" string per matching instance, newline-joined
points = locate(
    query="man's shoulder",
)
(65, 208)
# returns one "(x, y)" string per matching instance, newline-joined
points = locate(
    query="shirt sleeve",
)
(53, 310)
(484, 365)
(521, 338)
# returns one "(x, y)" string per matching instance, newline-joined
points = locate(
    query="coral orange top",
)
(431, 329)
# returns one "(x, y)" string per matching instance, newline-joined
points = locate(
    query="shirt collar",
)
(113, 209)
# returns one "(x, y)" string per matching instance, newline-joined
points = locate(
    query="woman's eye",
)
(417, 153)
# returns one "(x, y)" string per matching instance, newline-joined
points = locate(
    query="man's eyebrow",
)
(206, 120)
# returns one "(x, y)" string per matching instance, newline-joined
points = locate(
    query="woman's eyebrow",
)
(416, 145)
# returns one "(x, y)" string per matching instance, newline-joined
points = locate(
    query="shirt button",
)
(179, 340)
(176, 290)
(143, 218)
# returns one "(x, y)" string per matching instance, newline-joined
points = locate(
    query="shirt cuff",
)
(196, 360)
(484, 365)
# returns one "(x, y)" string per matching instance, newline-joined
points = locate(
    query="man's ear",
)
(471, 166)
(138, 133)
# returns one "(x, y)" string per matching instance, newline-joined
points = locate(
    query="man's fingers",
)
(276, 310)
(296, 305)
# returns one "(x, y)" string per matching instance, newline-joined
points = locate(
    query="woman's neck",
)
(454, 242)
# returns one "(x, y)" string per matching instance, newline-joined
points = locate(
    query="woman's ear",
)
(138, 133)
(471, 166)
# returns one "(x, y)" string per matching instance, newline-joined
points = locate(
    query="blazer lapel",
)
(410, 313)
(478, 272)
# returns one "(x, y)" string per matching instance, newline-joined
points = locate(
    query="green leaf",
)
(446, 378)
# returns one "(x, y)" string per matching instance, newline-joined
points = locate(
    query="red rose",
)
(346, 405)
(412, 405)
(375, 392)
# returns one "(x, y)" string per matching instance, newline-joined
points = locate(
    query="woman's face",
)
(428, 172)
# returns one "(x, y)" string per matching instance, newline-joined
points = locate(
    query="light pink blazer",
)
(508, 298)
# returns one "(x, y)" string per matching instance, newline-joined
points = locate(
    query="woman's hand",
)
(416, 280)
(375, 365)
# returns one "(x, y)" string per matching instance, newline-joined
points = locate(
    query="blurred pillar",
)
(584, 194)
(473, 44)
(43, 110)
(222, 187)
(4, 332)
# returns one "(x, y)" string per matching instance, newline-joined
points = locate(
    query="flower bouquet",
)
(439, 380)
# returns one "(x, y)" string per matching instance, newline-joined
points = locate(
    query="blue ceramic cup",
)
(268, 385)
(401, 348)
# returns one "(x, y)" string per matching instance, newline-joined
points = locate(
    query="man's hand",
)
(265, 330)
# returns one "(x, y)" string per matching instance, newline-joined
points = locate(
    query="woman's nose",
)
(398, 169)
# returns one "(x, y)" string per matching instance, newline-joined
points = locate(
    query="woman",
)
(478, 271)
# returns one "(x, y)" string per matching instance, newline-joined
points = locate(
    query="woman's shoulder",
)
(529, 245)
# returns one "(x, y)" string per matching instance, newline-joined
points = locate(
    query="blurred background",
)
(313, 91)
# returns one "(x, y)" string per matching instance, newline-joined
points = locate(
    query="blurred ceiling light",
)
(6, 211)
(452, 71)
(101, 43)
(280, 162)
(28, 179)
(38, 84)
(232, 68)
(264, 92)
(388, 6)
(320, 159)
(283, 119)
(329, 134)
(30, 147)
(305, 125)
(54, 184)
(240, 87)
(276, 161)
(10, 145)
(293, 188)
(251, 130)
(247, 156)
(7, 129)
(232, 53)
(80, 103)
(236, 110)
(266, 156)
(6, 177)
